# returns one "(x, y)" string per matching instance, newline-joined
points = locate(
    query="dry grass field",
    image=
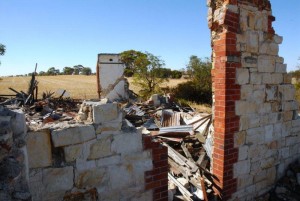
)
(77, 86)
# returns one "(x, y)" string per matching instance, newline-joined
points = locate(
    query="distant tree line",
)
(75, 70)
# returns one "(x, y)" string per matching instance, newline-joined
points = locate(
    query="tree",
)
(77, 69)
(53, 71)
(199, 89)
(132, 59)
(145, 76)
(68, 70)
(86, 71)
(2, 50)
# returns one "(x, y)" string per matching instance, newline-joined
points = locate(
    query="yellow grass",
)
(78, 86)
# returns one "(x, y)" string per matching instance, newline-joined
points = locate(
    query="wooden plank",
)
(203, 189)
(181, 188)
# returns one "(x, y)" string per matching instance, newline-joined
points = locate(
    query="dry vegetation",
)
(78, 86)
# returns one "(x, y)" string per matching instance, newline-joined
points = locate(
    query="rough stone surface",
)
(58, 179)
(72, 135)
(39, 149)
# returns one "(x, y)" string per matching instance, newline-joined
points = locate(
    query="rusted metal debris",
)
(186, 133)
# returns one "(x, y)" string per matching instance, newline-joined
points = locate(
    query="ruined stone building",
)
(256, 126)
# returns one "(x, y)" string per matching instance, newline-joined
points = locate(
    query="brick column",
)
(226, 59)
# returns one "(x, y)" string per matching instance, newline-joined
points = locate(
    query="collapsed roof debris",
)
(184, 132)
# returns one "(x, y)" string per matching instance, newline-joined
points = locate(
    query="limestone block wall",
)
(13, 156)
(105, 159)
(255, 112)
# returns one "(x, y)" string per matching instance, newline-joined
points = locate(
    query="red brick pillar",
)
(226, 59)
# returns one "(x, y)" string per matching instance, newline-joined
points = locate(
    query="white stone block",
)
(255, 136)
(266, 78)
(280, 68)
(242, 76)
(290, 105)
(271, 92)
(101, 148)
(241, 168)
(105, 113)
(245, 107)
(277, 78)
(256, 78)
(243, 153)
(91, 178)
(18, 123)
(269, 133)
(266, 64)
(277, 39)
(58, 179)
(246, 91)
(287, 92)
(39, 149)
(252, 41)
(121, 176)
(264, 108)
(127, 143)
(109, 161)
(73, 135)
(248, 60)
(73, 152)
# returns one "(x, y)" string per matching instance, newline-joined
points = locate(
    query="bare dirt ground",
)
(77, 86)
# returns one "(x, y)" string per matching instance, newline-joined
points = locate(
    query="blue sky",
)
(63, 33)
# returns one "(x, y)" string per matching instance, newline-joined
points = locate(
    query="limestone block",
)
(101, 148)
(114, 125)
(39, 149)
(261, 21)
(268, 163)
(296, 123)
(266, 64)
(82, 165)
(249, 61)
(91, 178)
(252, 41)
(266, 78)
(244, 181)
(256, 152)
(277, 78)
(146, 196)
(273, 49)
(18, 123)
(260, 176)
(127, 143)
(290, 105)
(286, 128)
(139, 156)
(73, 135)
(279, 59)
(258, 96)
(288, 115)
(108, 161)
(269, 133)
(271, 92)
(264, 108)
(105, 112)
(243, 153)
(285, 152)
(256, 78)
(246, 91)
(239, 138)
(121, 176)
(255, 136)
(292, 140)
(73, 152)
(245, 107)
(280, 68)
(287, 78)
(277, 39)
(287, 92)
(241, 168)
(242, 76)
(58, 179)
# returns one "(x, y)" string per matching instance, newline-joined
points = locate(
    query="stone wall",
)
(255, 118)
(101, 158)
(13, 156)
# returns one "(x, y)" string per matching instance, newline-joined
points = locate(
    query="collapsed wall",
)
(98, 157)
(257, 131)
(13, 156)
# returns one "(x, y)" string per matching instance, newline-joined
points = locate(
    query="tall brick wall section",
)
(255, 119)
(157, 178)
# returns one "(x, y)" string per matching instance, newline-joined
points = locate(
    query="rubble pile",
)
(187, 135)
